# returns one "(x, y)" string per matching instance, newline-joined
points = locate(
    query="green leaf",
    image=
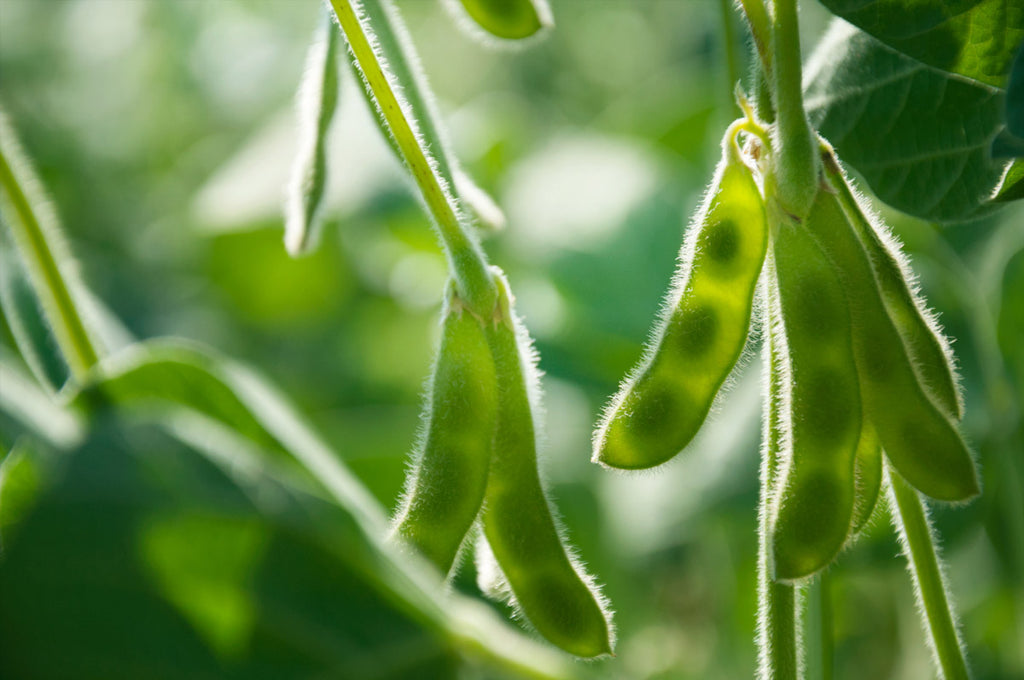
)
(24, 316)
(972, 38)
(1015, 96)
(921, 139)
(24, 399)
(143, 559)
(1012, 187)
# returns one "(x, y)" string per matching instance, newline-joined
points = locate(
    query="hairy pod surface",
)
(918, 438)
(927, 347)
(868, 472)
(446, 486)
(318, 100)
(548, 586)
(813, 509)
(703, 328)
(509, 19)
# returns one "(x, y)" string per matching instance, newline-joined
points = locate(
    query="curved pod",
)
(509, 19)
(927, 349)
(813, 508)
(449, 476)
(918, 438)
(549, 587)
(702, 331)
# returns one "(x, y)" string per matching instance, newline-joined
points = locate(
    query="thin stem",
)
(34, 239)
(779, 628)
(918, 541)
(819, 626)
(468, 264)
(732, 69)
(796, 151)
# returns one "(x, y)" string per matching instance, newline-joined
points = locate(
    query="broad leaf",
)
(921, 139)
(972, 38)
(1012, 188)
(146, 558)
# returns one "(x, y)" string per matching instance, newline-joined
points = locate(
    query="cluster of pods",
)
(859, 372)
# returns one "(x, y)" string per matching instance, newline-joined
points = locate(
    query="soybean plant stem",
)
(917, 539)
(796, 150)
(37, 250)
(476, 286)
(778, 635)
(819, 628)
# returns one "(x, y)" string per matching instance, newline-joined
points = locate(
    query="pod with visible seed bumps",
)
(918, 438)
(547, 584)
(927, 348)
(446, 485)
(821, 410)
(703, 328)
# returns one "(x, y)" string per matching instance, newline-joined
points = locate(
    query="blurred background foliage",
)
(164, 131)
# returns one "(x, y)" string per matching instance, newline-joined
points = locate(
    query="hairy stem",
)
(796, 160)
(469, 266)
(779, 634)
(34, 231)
(918, 541)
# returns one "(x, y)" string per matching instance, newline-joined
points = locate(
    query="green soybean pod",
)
(821, 409)
(509, 19)
(927, 347)
(446, 483)
(549, 587)
(920, 440)
(867, 470)
(703, 327)
(318, 99)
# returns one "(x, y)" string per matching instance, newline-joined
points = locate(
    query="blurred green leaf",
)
(972, 38)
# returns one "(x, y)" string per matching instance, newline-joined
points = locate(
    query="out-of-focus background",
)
(165, 129)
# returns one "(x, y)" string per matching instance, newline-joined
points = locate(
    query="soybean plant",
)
(860, 389)
(476, 461)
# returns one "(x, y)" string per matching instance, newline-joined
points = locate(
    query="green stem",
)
(760, 30)
(796, 160)
(819, 626)
(779, 629)
(732, 69)
(918, 541)
(468, 264)
(35, 240)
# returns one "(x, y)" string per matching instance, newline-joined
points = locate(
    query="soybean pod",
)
(318, 99)
(918, 438)
(509, 19)
(446, 486)
(821, 409)
(927, 348)
(549, 587)
(703, 327)
(868, 473)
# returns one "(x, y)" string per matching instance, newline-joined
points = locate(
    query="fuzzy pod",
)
(703, 328)
(921, 441)
(821, 410)
(927, 348)
(446, 483)
(548, 586)
(867, 470)
(508, 19)
(318, 100)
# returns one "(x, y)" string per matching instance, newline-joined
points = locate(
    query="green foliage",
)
(171, 496)
(921, 138)
(972, 38)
